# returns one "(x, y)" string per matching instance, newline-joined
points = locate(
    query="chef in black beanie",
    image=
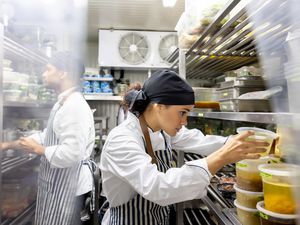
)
(138, 177)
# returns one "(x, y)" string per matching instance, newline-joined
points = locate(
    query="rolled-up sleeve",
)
(194, 141)
(125, 157)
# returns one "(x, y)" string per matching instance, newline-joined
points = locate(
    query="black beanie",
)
(167, 88)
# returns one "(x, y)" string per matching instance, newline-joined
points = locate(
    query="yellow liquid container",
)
(248, 199)
(278, 187)
(270, 218)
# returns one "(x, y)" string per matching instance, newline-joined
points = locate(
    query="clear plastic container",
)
(270, 218)
(247, 173)
(278, 187)
(11, 85)
(248, 199)
(12, 95)
(246, 215)
(33, 91)
(260, 134)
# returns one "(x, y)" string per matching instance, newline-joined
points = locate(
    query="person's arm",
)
(125, 157)
(194, 141)
(10, 145)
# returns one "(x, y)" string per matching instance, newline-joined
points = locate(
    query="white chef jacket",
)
(127, 169)
(73, 124)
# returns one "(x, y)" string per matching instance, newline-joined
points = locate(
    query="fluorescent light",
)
(169, 3)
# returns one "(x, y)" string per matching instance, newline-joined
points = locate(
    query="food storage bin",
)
(259, 134)
(246, 215)
(245, 105)
(270, 218)
(247, 173)
(278, 187)
(247, 199)
(235, 92)
(12, 95)
(11, 85)
(33, 91)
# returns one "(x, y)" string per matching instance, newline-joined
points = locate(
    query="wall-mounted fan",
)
(134, 48)
(167, 45)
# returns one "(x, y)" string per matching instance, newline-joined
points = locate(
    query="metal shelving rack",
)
(227, 48)
(12, 49)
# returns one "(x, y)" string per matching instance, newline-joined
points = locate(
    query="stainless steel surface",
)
(10, 164)
(232, 216)
(245, 105)
(179, 206)
(235, 92)
(106, 108)
(255, 117)
(182, 63)
(173, 56)
(99, 97)
(222, 219)
(1, 105)
(13, 47)
(245, 83)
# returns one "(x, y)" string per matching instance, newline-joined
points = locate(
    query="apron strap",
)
(149, 149)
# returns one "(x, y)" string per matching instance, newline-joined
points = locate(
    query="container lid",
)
(255, 162)
(257, 131)
(244, 208)
(246, 192)
(281, 169)
(261, 207)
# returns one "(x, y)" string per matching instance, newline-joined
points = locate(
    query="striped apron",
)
(140, 211)
(56, 186)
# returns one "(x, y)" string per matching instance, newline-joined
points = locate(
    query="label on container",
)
(200, 114)
(241, 165)
(265, 175)
(264, 216)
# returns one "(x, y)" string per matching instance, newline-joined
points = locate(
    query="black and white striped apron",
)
(56, 186)
(140, 211)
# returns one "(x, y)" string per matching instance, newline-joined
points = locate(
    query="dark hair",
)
(68, 62)
(127, 98)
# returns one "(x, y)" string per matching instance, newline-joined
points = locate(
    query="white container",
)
(259, 134)
(279, 187)
(267, 217)
(246, 215)
(248, 199)
(12, 95)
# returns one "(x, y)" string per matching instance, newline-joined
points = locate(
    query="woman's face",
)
(172, 118)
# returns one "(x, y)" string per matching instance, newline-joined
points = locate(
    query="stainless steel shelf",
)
(172, 57)
(98, 79)
(9, 164)
(255, 117)
(27, 104)
(12, 47)
(99, 97)
(231, 46)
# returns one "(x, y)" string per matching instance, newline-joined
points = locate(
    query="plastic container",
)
(12, 95)
(33, 91)
(248, 199)
(247, 173)
(11, 85)
(260, 134)
(270, 218)
(246, 215)
(278, 187)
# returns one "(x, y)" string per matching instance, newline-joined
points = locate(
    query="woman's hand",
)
(236, 149)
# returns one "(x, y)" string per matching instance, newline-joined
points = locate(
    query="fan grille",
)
(134, 48)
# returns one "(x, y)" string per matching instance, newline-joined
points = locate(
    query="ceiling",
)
(131, 14)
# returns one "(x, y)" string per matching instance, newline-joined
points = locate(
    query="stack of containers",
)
(229, 92)
(279, 186)
(249, 182)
